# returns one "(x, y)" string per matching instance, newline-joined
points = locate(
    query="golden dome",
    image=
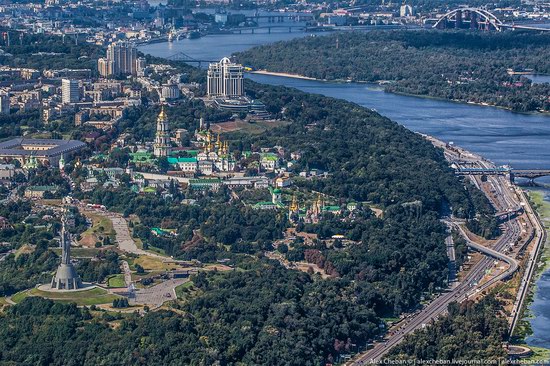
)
(162, 114)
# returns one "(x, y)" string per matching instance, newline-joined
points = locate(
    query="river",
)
(518, 140)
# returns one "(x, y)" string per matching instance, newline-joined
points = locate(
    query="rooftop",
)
(181, 160)
(43, 147)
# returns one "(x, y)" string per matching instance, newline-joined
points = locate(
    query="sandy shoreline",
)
(283, 74)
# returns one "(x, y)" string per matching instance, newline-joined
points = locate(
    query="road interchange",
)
(506, 196)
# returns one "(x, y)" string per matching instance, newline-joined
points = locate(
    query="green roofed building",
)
(186, 164)
(39, 191)
(332, 209)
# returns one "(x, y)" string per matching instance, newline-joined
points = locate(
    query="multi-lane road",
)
(472, 284)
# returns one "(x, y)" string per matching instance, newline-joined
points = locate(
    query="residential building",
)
(70, 91)
(121, 59)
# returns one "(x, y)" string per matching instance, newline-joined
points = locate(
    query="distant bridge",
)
(530, 174)
(181, 56)
(477, 19)
(281, 18)
(267, 29)
(482, 171)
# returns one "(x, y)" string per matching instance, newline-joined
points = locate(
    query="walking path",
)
(127, 273)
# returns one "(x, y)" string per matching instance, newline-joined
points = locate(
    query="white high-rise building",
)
(141, 64)
(70, 91)
(225, 79)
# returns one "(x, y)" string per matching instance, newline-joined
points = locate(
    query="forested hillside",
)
(368, 158)
(461, 66)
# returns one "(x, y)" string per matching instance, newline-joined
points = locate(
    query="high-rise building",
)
(161, 146)
(121, 59)
(105, 67)
(225, 79)
(70, 91)
(141, 64)
(170, 92)
(4, 104)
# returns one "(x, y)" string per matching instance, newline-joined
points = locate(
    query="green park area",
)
(149, 263)
(184, 290)
(94, 296)
(116, 281)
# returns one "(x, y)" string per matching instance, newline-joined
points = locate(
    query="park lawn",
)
(184, 290)
(154, 264)
(94, 296)
(116, 281)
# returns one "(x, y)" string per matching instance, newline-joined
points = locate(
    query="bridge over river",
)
(530, 174)
(477, 18)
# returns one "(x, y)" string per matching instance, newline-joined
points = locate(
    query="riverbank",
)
(381, 83)
(543, 209)
(525, 332)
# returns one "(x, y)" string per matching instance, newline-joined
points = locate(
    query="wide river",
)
(518, 140)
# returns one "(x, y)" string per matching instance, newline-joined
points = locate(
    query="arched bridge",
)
(477, 19)
(469, 18)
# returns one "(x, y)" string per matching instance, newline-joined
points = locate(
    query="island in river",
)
(477, 68)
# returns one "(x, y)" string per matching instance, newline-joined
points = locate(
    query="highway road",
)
(470, 284)
(468, 287)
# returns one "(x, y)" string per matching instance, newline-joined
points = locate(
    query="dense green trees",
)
(463, 66)
(104, 264)
(265, 315)
(25, 270)
(471, 331)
